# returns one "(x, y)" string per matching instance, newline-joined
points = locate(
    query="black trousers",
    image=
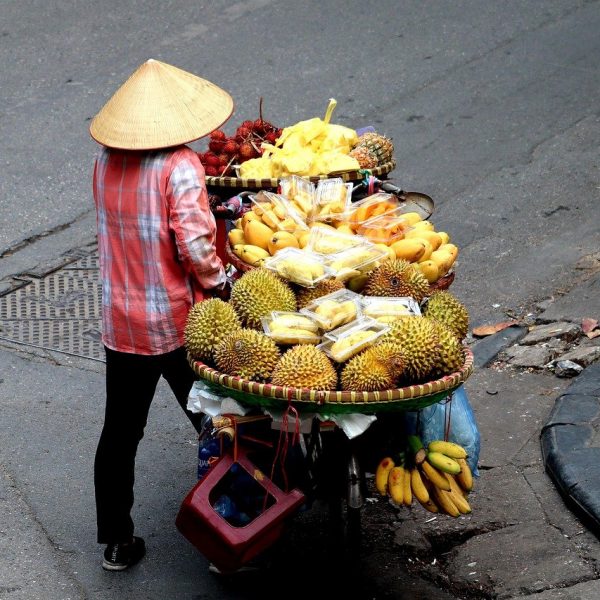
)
(131, 381)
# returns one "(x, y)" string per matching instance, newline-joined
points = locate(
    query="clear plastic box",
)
(335, 309)
(277, 212)
(299, 266)
(300, 192)
(291, 328)
(372, 206)
(325, 240)
(385, 229)
(387, 309)
(345, 342)
(354, 261)
(332, 199)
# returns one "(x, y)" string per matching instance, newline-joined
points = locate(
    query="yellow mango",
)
(412, 217)
(432, 237)
(249, 216)
(258, 234)
(424, 225)
(282, 239)
(391, 254)
(445, 237)
(411, 250)
(236, 236)
(429, 269)
(270, 219)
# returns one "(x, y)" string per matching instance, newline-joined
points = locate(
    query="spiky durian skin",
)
(304, 295)
(451, 355)
(247, 353)
(257, 293)
(420, 343)
(448, 310)
(397, 278)
(305, 366)
(208, 322)
(376, 368)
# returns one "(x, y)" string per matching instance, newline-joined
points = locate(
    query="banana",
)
(457, 496)
(443, 463)
(444, 500)
(437, 478)
(418, 487)
(407, 492)
(465, 477)
(395, 486)
(382, 473)
(450, 449)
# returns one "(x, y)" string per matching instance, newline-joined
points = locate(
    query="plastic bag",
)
(430, 423)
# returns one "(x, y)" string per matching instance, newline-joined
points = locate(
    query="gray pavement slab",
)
(581, 302)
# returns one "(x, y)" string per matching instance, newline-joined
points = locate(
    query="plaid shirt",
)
(156, 239)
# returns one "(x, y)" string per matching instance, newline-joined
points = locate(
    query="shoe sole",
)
(112, 567)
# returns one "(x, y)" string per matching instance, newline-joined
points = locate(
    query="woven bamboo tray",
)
(260, 184)
(265, 395)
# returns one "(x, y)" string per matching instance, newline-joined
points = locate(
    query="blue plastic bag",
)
(456, 418)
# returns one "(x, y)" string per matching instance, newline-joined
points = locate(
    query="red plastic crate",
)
(224, 544)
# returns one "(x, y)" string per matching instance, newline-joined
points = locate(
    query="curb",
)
(572, 464)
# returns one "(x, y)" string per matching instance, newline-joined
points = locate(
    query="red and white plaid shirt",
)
(156, 241)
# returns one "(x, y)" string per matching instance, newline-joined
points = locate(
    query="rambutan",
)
(247, 124)
(216, 145)
(211, 159)
(231, 147)
(218, 134)
(242, 134)
(224, 159)
(271, 137)
(211, 171)
(247, 151)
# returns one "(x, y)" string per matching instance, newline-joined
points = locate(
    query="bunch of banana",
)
(253, 255)
(445, 474)
(292, 328)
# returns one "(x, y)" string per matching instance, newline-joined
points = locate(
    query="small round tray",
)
(259, 184)
(266, 395)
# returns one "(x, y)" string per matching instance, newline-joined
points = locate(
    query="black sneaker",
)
(118, 557)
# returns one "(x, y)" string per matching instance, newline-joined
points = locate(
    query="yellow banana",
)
(407, 491)
(434, 476)
(443, 463)
(418, 487)
(450, 449)
(382, 474)
(457, 496)
(465, 477)
(444, 500)
(396, 478)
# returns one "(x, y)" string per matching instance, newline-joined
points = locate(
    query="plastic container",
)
(291, 328)
(299, 266)
(332, 200)
(361, 258)
(325, 240)
(345, 342)
(334, 310)
(387, 309)
(300, 192)
(372, 206)
(277, 212)
(385, 229)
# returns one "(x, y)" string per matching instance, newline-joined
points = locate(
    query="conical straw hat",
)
(160, 106)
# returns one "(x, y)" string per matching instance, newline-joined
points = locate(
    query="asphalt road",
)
(492, 107)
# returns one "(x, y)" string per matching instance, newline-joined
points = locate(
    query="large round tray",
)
(260, 184)
(265, 395)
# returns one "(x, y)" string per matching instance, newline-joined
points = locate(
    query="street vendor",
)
(156, 242)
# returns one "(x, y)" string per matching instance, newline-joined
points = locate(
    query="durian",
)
(304, 295)
(247, 353)
(376, 368)
(420, 343)
(305, 367)
(447, 309)
(208, 322)
(257, 293)
(451, 356)
(397, 278)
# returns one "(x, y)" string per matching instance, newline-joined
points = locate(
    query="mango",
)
(258, 234)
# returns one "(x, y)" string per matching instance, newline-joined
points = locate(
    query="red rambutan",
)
(216, 146)
(211, 159)
(231, 147)
(211, 171)
(218, 134)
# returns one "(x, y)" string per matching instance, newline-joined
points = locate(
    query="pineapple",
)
(379, 145)
(366, 159)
